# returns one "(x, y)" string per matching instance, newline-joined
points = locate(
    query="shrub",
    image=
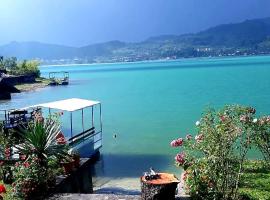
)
(27, 68)
(30, 179)
(40, 154)
(262, 137)
(213, 160)
(24, 67)
(41, 139)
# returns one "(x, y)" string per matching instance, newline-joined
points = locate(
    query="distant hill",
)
(249, 37)
(245, 34)
(28, 50)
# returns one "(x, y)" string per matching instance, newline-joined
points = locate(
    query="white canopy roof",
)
(70, 105)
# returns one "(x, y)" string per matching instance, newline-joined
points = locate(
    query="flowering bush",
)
(30, 178)
(43, 142)
(262, 138)
(213, 160)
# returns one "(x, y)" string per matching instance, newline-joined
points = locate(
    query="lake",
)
(147, 104)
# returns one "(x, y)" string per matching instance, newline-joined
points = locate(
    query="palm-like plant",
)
(41, 139)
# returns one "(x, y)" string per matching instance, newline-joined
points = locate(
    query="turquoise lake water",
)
(148, 104)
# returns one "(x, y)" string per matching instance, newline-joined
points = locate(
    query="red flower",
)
(60, 138)
(26, 164)
(7, 153)
(177, 143)
(1, 163)
(17, 164)
(22, 156)
(2, 189)
(180, 158)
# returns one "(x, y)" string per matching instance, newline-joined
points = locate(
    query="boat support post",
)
(82, 120)
(100, 117)
(71, 124)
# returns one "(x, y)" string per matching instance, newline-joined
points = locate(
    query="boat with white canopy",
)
(81, 122)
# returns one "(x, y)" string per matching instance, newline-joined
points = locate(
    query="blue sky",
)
(82, 22)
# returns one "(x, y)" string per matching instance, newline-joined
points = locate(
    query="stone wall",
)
(7, 85)
(13, 80)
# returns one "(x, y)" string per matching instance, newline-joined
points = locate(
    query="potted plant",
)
(74, 153)
(67, 164)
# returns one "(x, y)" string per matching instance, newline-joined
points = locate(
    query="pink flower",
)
(177, 143)
(7, 153)
(189, 137)
(17, 164)
(26, 164)
(244, 118)
(199, 138)
(222, 118)
(22, 156)
(180, 158)
(185, 175)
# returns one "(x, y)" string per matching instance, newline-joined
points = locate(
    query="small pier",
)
(59, 78)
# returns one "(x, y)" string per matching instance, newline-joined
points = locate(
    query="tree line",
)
(12, 66)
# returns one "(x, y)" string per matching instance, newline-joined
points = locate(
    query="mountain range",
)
(245, 38)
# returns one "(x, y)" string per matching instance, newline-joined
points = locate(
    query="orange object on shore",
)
(164, 178)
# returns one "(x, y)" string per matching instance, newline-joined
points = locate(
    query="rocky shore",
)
(39, 83)
(13, 84)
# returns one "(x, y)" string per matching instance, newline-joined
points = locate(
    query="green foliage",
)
(262, 138)
(9, 63)
(24, 67)
(255, 184)
(28, 68)
(40, 138)
(41, 151)
(30, 179)
(2, 63)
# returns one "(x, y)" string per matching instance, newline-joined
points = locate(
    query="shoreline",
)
(153, 61)
(28, 87)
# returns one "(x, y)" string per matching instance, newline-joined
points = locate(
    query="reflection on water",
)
(131, 165)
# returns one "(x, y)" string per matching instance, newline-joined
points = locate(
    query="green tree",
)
(10, 63)
(28, 68)
(1, 62)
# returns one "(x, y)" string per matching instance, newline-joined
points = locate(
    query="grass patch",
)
(255, 184)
